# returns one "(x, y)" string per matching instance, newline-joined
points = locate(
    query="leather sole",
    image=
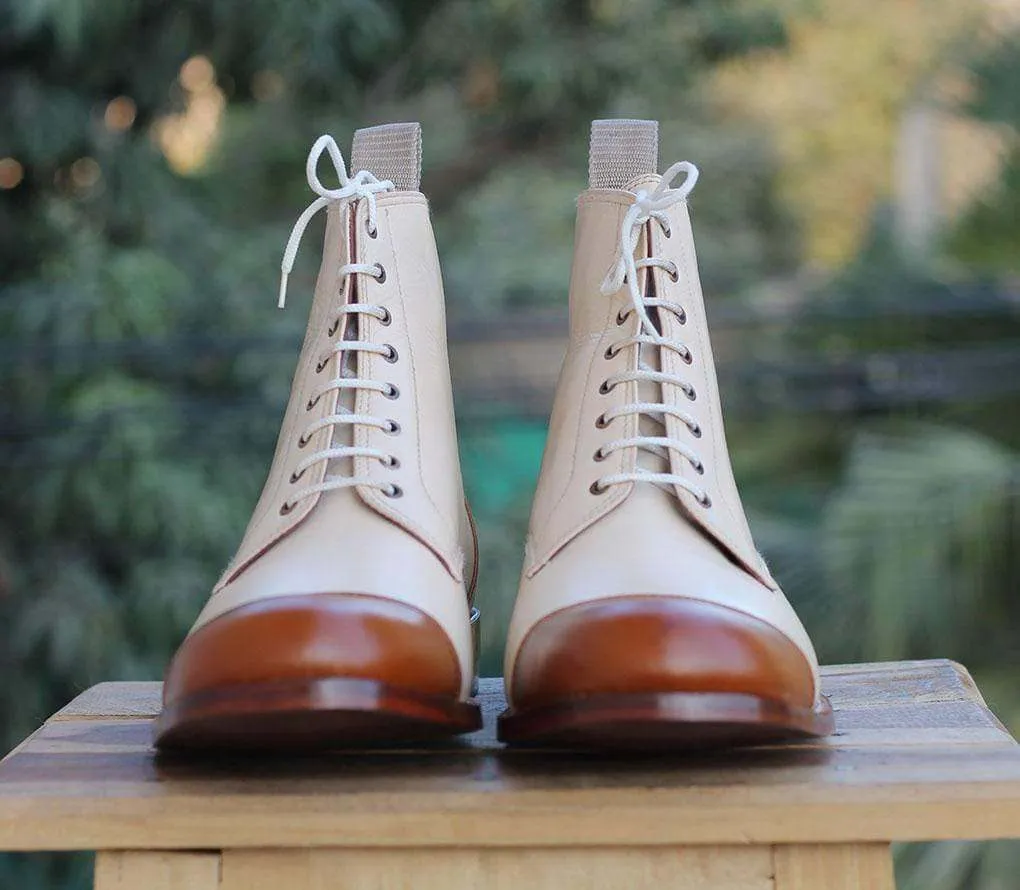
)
(664, 721)
(312, 714)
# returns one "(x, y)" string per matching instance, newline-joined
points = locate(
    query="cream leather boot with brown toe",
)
(646, 617)
(344, 616)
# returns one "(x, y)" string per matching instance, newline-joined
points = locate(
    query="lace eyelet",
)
(333, 328)
(381, 277)
(610, 353)
(312, 403)
(394, 491)
(372, 233)
(621, 318)
(392, 462)
(696, 431)
(321, 366)
(699, 467)
(600, 422)
(391, 428)
(286, 507)
(674, 273)
(303, 441)
(604, 388)
(295, 477)
(391, 353)
(597, 489)
(691, 393)
(688, 357)
(387, 319)
(600, 455)
(705, 501)
(667, 231)
(392, 393)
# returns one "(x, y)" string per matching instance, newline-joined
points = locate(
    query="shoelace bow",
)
(361, 186)
(646, 207)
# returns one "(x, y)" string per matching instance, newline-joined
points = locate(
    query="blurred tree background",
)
(858, 223)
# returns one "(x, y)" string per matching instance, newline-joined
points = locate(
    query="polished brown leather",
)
(653, 644)
(318, 636)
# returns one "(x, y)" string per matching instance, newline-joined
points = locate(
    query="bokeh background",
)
(858, 221)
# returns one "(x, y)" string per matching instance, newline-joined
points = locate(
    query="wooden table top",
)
(917, 756)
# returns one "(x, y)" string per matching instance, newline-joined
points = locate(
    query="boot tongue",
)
(389, 151)
(622, 151)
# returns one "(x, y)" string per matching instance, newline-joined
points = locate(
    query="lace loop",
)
(646, 207)
(361, 185)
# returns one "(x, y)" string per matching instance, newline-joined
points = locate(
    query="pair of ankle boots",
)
(645, 616)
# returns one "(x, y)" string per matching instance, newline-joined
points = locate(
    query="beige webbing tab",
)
(622, 150)
(389, 151)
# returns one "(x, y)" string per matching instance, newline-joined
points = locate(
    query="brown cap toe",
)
(657, 644)
(317, 636)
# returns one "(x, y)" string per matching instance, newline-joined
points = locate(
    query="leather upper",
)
(635, 539)
(417, 548)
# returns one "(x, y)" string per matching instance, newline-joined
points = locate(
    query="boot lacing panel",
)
(648, 207)
(363, 185)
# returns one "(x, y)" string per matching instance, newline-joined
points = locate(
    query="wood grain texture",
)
(157, 871)
(834, 867)
(917, 755)
(661, 868)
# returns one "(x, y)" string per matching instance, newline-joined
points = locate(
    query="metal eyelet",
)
(604, 388)
(392, 462)
(294, 477)
(391, 428)
(600, 422)
(595, 488)
(391, 353)
(600, 455)
(372, 233)
(393, 392)
(674, 273)
(286, 507)
(387, 319)
(688, 357)
(381, 277)
(394, 491)
(696, 431)
(691, 393)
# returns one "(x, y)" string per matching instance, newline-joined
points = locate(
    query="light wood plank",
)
(834, 867)
(917, 756)
(710, 868)
(157, 871)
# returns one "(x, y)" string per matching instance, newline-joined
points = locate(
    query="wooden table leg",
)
(642, 868)
(144, 870)
(834, 867)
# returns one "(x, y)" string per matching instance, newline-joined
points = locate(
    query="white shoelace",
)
(647, 207)
(363, 185)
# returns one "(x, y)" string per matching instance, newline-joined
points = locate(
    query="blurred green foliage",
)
(144, 369)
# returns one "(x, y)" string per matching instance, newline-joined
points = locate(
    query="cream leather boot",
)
(344, 616)
(645, 615)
